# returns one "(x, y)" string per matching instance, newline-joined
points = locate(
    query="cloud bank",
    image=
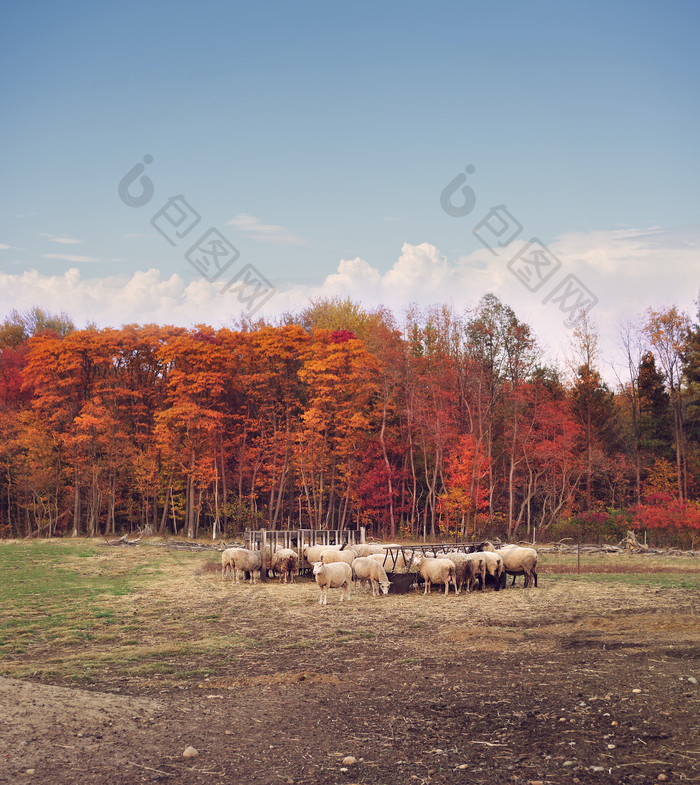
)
(628, 270)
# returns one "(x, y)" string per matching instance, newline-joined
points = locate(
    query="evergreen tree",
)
(655, 414)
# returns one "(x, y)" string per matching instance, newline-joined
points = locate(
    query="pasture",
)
(114, 660)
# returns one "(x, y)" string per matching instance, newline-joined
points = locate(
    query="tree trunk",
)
(387, 465)
(164, 517)
(189, 503)
(76, 506)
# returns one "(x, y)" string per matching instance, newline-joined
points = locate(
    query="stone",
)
(349, 760)
(190, 752)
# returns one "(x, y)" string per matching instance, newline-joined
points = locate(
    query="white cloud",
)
(627, 270)
(63, 239)
(66, 240)
(252, 227)
(66, 257)
(5, 247)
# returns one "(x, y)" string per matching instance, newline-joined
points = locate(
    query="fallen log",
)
(124, 540)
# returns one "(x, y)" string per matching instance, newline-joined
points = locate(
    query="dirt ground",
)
(572, 682)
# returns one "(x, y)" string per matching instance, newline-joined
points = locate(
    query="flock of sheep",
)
(339, 566)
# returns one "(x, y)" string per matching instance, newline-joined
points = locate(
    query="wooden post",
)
(363, 531)
(263, 556)
(578, 556)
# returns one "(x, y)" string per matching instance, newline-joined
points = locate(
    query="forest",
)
(441, 425)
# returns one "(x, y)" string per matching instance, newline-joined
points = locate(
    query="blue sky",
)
(313, 133)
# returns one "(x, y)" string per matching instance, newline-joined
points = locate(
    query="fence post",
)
(263, 556)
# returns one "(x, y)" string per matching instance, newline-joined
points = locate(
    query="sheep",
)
(436, 571)
(333, 576)
(494, 567)
(518, 561)
(242, 560)
(312, 553)
(464, 569)
(332, 556)
(286, 562)
(478, 564)
(366, 549)
(227, 562)
(366, 569)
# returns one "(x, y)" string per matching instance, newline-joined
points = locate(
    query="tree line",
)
(438, 426)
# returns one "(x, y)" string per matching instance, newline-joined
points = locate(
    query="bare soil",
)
(572, 682)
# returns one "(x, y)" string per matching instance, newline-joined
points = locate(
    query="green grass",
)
(71, 611)
(46, 589)
(57, 595)
(655, 580)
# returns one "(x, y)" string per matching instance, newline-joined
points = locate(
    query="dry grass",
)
(145, 612)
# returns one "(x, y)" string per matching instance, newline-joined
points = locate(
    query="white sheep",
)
(286, 562)
(333, 555)
(242, 560)
(333, 576)
(312, 553)
(495, 568)
(227, 563)
(366, 549)
(436, 571)
(365, 569)
(517, 561)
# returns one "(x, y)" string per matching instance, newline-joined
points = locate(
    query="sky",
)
(184, 164)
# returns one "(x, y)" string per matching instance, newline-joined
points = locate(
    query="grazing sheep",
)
(518, 561)
(365, 569)
(242, 560)
(333, 576)
(436, 571)
(478, 564)
(464, 569)
(332, 556)
(494, 568)
(286, 562)
(312, 553)
(227, 562)
(366, 549)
